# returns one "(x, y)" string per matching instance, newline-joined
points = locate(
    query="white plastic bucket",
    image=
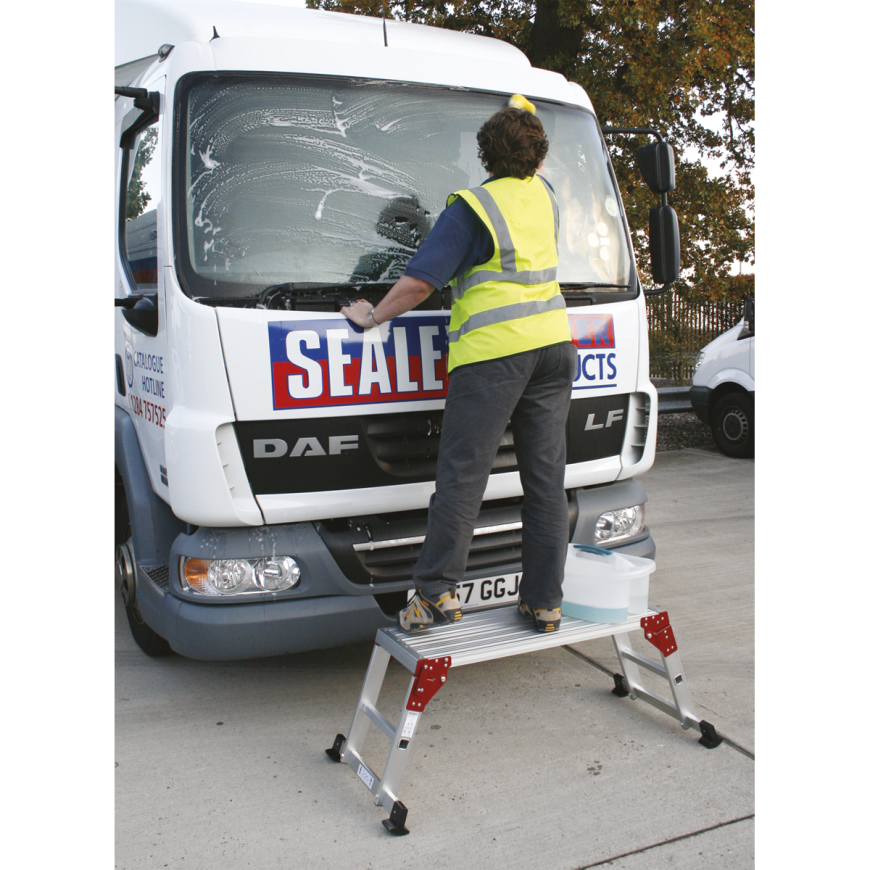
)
(603, 586)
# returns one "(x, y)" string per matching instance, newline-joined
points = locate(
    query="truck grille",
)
(297, 456)
(406, 445)
(491, 547)
(384, 548)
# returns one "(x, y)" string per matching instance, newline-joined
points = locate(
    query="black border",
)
(181, 260)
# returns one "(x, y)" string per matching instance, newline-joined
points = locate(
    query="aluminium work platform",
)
(483, 636)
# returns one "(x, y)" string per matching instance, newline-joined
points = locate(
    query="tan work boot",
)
(545, 620)
(421, 613)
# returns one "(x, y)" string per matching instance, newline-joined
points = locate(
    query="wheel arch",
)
(154, 526)
(724, 389)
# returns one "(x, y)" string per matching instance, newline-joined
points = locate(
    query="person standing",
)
(510, 360)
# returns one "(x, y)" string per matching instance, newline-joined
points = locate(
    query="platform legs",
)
(630, 683)
(349, 749)
(492, 636)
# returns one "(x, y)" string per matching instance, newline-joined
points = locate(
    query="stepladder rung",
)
(645, 662)
(380, 720)
(670, 670)
(363, 771)
(657, 701)
(383, 796)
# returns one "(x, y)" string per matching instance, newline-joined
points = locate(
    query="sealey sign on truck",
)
(274, 462)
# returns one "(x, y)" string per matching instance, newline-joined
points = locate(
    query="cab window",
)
(140, 197)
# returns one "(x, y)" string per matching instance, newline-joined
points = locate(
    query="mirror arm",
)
(633, 131)
(148, 102)
(128, 301)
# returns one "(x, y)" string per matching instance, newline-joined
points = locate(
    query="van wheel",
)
(733, 423)
(146, 638)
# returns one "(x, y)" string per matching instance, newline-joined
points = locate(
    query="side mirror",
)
(748, 319)
(656, 164)
(664, 244)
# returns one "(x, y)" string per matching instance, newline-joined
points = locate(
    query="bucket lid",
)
(598, 562)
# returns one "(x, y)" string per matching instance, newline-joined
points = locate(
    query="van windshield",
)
(315, 179)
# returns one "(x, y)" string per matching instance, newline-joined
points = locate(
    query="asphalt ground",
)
(523, 762)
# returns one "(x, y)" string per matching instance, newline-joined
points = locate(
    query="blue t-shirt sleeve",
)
(458, 241)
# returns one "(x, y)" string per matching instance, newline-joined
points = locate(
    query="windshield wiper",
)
(286, 296)
(598, 285)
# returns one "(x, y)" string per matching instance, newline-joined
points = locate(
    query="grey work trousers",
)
(532, 390)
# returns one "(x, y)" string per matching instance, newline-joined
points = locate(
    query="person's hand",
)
(358, 312)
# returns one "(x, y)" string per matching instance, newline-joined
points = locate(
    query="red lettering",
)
(588, 331)
(148, 411)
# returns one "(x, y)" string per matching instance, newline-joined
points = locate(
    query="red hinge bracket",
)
(657, 630)
(429, 676)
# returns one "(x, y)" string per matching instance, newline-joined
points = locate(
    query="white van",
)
(274, 462)
(723, 387)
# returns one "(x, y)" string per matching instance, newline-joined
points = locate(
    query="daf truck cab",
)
(274, 462)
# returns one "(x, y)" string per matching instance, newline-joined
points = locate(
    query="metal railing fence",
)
(680, 327)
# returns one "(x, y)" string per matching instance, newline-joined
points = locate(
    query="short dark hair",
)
(512, 143)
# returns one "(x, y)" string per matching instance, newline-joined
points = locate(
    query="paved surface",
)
(526, 762)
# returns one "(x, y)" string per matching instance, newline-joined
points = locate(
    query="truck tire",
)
(146, 638)
(733, 423)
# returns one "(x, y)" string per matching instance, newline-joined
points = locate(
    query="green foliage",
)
(137, 196)
(673, 356)
(680, 325)
(686, 69)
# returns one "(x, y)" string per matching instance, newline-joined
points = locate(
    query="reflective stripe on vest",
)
(507, 312)
(505, 245)
(498, 308)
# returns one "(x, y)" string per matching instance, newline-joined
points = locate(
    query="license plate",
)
(486, 592)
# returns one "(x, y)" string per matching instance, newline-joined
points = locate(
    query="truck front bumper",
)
(270, 628)
(326, 609)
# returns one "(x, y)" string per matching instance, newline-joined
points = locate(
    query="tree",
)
(137, 196)
(686, 69)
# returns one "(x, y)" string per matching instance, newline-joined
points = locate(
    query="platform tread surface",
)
(492, 634)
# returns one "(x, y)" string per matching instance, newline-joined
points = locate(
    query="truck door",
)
(142, 203)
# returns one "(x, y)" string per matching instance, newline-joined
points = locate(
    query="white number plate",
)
(487, 592)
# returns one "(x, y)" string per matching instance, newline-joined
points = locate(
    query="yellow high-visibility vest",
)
(511, 303)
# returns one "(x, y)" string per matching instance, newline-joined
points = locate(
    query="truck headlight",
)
(619, 524)
(229, 576)
(273, 575)
(239, 576)
(699, 360)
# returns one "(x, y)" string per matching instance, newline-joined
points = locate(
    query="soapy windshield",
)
(314, 179)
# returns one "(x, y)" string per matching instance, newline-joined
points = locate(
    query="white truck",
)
(274, 462)
(723, 386)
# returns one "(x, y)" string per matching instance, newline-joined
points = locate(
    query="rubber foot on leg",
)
(395, 824)
(709, 738)
(334, 751)
(620, 687)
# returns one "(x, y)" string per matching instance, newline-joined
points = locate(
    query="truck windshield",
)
(313, 179)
